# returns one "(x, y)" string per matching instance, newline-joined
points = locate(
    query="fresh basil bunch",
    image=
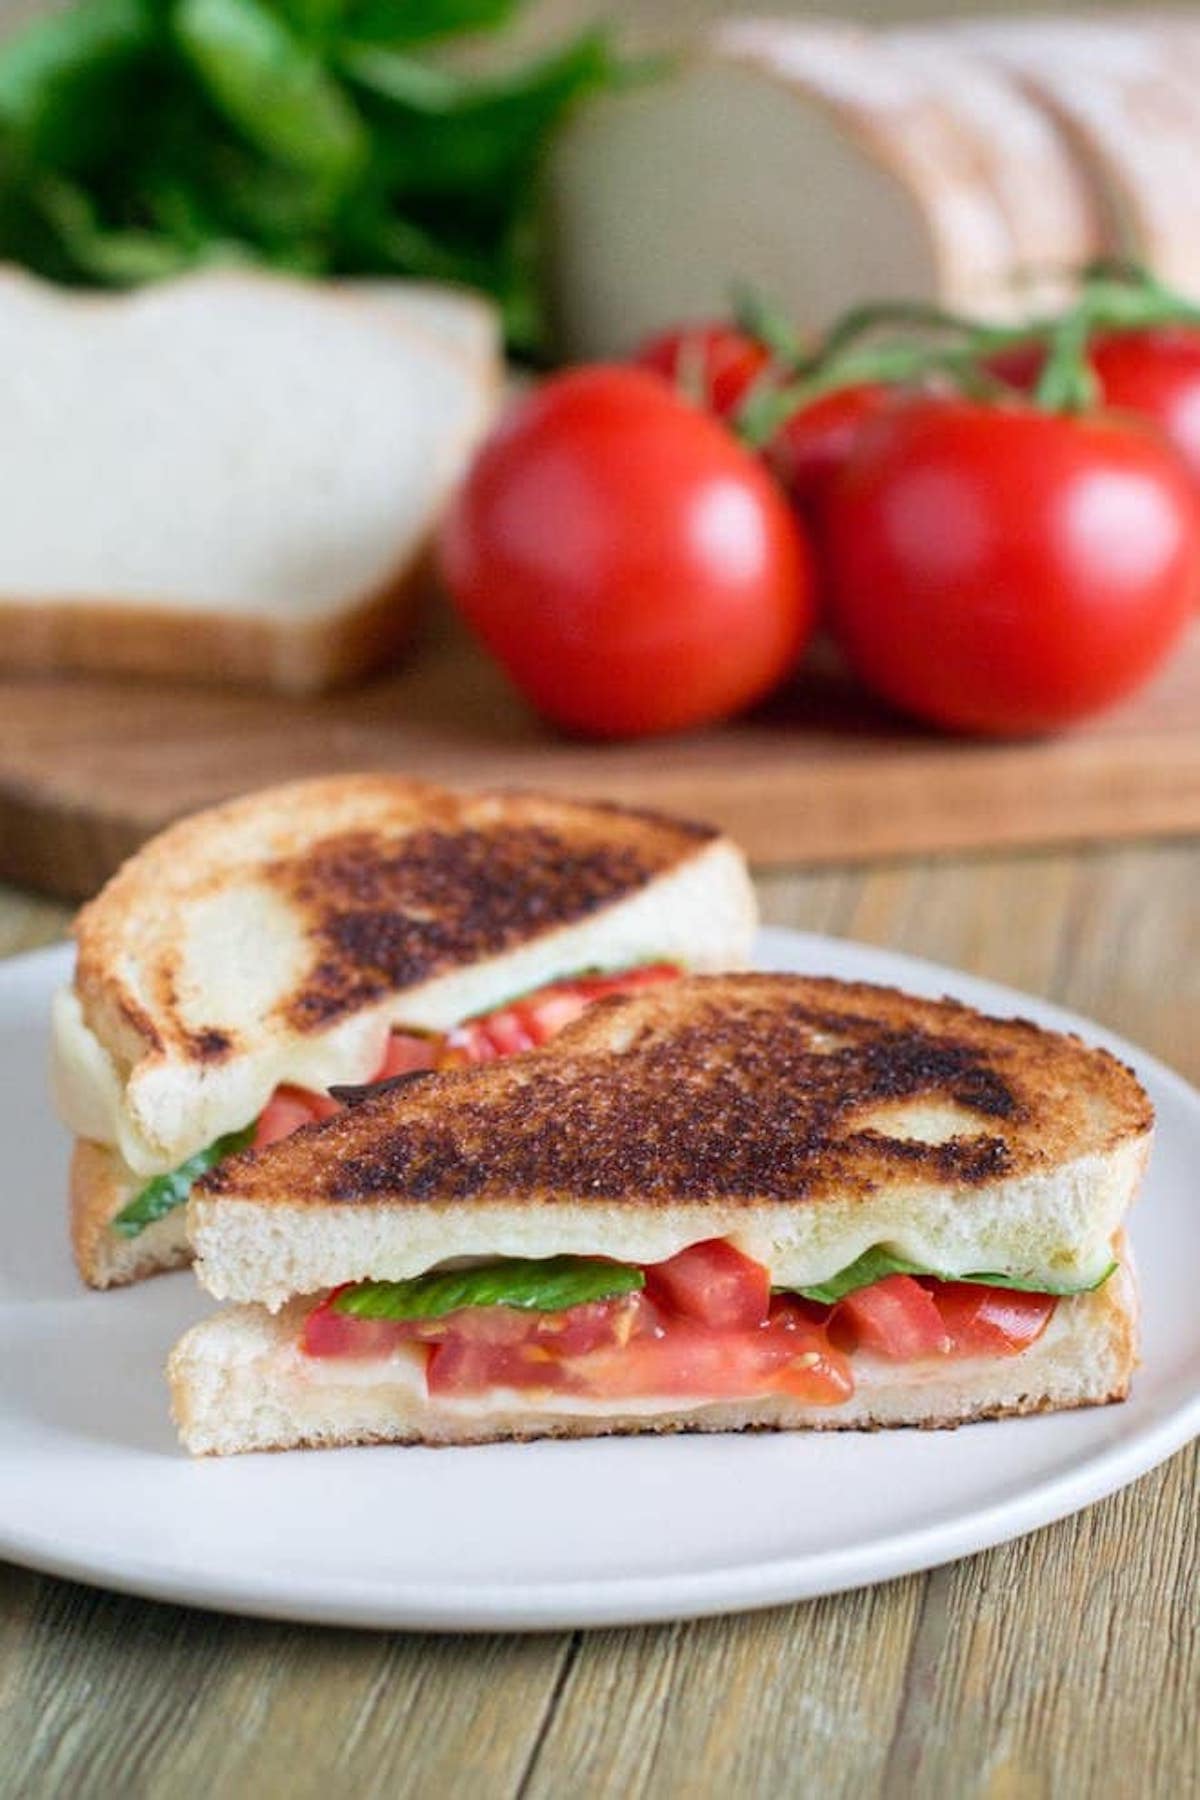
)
(140, 138)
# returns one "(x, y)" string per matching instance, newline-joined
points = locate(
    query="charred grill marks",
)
(390, 917)
(721, 1108)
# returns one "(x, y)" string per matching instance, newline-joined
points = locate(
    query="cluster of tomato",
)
(986, 556)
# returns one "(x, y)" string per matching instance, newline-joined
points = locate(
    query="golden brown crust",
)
(294, 656)
(399, 882)
(741, 1088)
(98, 1191)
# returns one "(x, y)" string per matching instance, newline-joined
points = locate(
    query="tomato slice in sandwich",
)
(713, 1283)
(895, 1317)
(991, 1321)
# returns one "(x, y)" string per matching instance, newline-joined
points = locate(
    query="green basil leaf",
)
(64, 81)
(403, 79)
(317, 21)
(418, 21)
(272, 86)
(484, 145)
(166, 1192)
(548, 1285)
(1024, 1285)
(873, 1265)
(878, 1262)
(122, 258)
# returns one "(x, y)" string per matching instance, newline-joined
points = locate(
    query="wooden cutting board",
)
(90, 768)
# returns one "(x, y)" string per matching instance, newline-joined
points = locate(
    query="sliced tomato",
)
(322, 1106)
(407, 1052)
(286, 1111)
(990, 1321)
(524, 1025)
(627, 981)
(462, 1366)
(786, 1355)
(815, 1370)
(330, 1333)
(628, 1348)
(485, 1347)
(895, 1317)
(714, 1284)
(508, 1032)
(492, 1333)
(536, 1018)
(546, 1014)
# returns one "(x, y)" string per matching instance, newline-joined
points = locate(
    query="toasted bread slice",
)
(279, 938)
(239, 1381)
(806, 1120)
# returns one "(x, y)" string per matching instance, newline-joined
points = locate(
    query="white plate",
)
(92, 1484)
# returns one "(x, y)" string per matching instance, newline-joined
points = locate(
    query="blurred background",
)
(247, 533)
(544, 19)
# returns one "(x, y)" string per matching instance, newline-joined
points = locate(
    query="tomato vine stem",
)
(903, 343)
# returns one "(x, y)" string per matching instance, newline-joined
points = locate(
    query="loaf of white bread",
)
(229, 476)
(977, 165)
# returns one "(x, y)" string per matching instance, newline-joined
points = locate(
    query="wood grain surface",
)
(90, 768)
(1066, 1664)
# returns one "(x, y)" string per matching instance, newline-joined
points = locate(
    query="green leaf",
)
(272, 86)
(119, 258)
(316, 21)
(166, 1192)
(404, 79)
(878, 1262)
(64, 81)
(418, 21)
(550, 1285)
(483, 146)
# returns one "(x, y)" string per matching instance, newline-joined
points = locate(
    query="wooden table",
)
(1066, 1664)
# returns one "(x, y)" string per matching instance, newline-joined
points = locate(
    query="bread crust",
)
(916, 140)
(99, 1188)
(293, 656)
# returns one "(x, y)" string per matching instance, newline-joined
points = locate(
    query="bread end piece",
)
(99, 1188)
(290, 656)
(239, 1382)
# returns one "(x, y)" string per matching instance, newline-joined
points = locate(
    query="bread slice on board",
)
(1126, 92)
(1047, 197)
(801, 158)
(230, 476)
(458, 317)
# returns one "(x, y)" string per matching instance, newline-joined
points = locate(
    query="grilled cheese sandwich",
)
(728, 1201)
(279, 942)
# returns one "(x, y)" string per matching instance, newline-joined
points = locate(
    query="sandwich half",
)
(332, 932)
(729, 1202)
